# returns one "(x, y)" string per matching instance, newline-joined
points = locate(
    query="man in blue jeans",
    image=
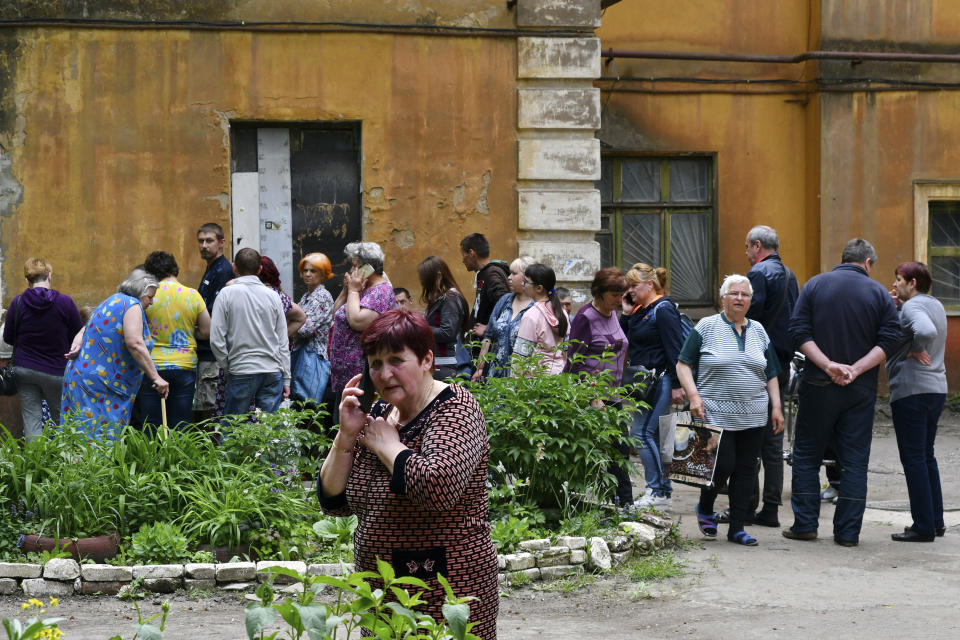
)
(248, 336)
(846, 325)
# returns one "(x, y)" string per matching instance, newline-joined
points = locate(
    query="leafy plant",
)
(510, 531)
(658, 566)
(159, 543)
(34, 627)
(142, 627)
(386, 612)
(548, 429)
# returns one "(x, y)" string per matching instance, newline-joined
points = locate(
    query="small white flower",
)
(275, 441)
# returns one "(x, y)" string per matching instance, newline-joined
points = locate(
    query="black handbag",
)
(8, 381)
(646, 381)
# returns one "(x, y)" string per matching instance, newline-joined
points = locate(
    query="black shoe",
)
(940, 531)
(799, 535)
(766, 519)
(911, 536)
(847, 543)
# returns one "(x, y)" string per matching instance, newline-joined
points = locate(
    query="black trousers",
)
(736, 461)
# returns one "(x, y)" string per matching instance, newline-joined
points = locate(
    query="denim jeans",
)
(915, 422)
(825, 413)
(33, 387)
(646, 431)
(264, 390)
(179, 400)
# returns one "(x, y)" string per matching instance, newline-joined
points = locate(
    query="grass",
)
(657, 566)
(566, 585)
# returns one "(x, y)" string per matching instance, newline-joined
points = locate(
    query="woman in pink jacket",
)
(545, 325)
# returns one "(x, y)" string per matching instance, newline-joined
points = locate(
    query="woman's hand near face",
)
(352, 418)
(352, 280)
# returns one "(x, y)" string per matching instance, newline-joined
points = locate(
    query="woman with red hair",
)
(309, 363)
(414, 471)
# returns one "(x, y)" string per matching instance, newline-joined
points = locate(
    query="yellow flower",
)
(25, 606)
(54, 602)
(35, 602)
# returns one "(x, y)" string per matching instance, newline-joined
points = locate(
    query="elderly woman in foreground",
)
(918, 391)
(414, 471)
(109, 358)
(737, 369)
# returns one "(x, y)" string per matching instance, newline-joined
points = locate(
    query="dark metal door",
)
(325, 195)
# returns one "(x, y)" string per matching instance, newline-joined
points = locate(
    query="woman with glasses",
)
(737, 369)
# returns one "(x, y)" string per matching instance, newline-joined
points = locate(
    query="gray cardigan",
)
(924, 325)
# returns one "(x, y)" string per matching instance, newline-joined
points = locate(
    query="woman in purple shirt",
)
(595, 336)
(41, 323)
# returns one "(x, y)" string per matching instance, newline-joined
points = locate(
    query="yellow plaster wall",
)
(762, 142)
(124, 144)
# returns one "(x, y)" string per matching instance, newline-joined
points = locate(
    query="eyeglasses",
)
(739, 294)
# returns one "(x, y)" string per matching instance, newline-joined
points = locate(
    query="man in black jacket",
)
(846, 324)
(491, 280)
(774, 294)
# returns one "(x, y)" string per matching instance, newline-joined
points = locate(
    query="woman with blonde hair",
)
(309, 362)
(505, 321)
(655, 336)
(40, 325)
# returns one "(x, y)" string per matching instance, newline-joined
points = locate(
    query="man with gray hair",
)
(775, 292)
(846, 325)
(248, 335)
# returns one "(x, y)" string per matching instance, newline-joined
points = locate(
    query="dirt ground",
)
(780, 589)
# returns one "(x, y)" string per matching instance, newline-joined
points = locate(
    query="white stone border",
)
(537, 560)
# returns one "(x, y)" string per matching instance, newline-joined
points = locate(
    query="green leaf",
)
(147, 632)
(456, 616)
(446, 587)
(313, 618)
(386, 571)
(256, 618)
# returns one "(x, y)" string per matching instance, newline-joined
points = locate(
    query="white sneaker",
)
(662, 503)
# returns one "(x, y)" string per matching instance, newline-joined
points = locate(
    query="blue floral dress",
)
(502, 332)
(99, 386)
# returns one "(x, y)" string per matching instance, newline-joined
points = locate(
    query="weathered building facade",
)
(826, 119)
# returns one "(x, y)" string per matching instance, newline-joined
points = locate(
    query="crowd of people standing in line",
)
(415, 461)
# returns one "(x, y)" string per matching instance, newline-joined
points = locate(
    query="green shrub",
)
(159, 543)
(545, 429)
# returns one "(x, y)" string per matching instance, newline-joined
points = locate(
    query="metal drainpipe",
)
(856, 56)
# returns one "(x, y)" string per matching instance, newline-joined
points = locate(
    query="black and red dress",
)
(430, 515)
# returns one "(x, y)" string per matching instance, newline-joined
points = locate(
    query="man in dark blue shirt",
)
(846, 325)
(775, 292)
(219, 271)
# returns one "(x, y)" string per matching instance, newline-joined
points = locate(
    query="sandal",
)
(742, 537)
(707, 523)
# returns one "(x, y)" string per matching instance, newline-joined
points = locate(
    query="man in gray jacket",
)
(248, 336)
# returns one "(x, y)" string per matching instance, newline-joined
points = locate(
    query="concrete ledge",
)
(572, 261)
(558, 108)
(558, 13)
(558, 210)
(236, 572)
(558, 58)
(105, 573)
(263, 574)
(20, 570)
(155, 571)
(558, 159)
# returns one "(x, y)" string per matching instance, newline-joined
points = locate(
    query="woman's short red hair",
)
(397, 329)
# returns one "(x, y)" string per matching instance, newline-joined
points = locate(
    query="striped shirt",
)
(732, 371)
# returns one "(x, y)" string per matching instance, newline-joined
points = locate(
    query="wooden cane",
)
(163, 417)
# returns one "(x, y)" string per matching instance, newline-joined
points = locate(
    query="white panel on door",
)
(276, 221)
(245, 202)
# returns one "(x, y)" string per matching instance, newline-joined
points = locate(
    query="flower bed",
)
(540, 559)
